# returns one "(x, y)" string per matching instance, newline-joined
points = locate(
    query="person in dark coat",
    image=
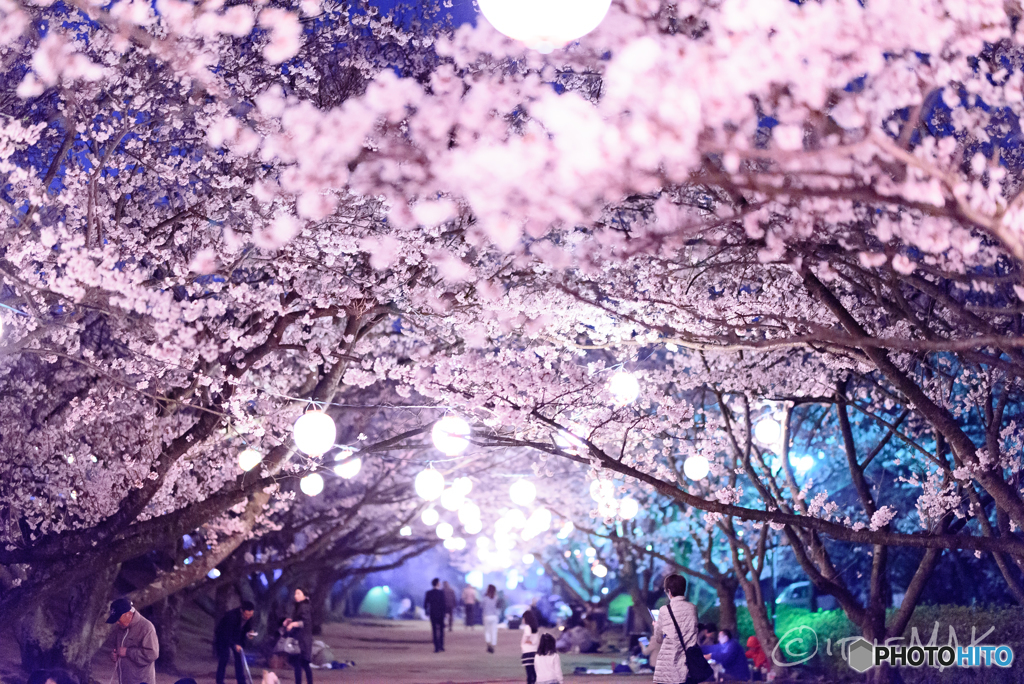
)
(450, 601)
(300, 628)
(434, 605)
(229, 638)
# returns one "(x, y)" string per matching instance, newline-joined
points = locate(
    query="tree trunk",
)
(726, 590)
(318, 600)
(166, 619)
(64, 630)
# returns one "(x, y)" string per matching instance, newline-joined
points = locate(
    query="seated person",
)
(729, 654)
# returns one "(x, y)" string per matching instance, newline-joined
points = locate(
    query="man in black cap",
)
(135, 647)
(230, 637)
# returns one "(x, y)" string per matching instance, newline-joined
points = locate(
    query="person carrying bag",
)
(677, 663)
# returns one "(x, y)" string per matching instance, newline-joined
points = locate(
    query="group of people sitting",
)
(727, 657)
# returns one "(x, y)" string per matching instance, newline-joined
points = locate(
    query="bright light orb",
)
(569, 443)
(249, 459)
(522, 492)
(429, 484)
(544, 24)
(451, 500)
(444, 531)
(473, 527)
(528, 559)
(349, 468)
(406, 531)
(768, 432)
(599, 571)
(566, 530)
(624, 388)
(469, 512)
(628, 508)
(314, 433)
(430, 517)
(602, 490)
(450, 435)
(312, 484)
(696, 467)
(463, 485)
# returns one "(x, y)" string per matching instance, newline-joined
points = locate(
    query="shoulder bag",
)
(697, 668)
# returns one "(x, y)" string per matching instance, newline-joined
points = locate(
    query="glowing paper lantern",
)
(349, 468)
(444, 530)
(451, 499)
(429, 484)
(528, 559)
(406, 531)
(314, 433)
(463, 485)
(469, 512)
(522, 492)
(450, 435)
(249, 459)
(768, 432)
(544, 24)
(599, 570)
(624, 388)
(696, 467)
(312, 484)
(429, 517)
(473, 527)
(602, 490)
(628, 508)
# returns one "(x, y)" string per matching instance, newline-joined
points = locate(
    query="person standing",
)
(529, 644)
(135, 646)
(489, 610)
(469, 602)
(229, 638)
(434, 605)
(671, 664)
(300, 628)
(450, 601)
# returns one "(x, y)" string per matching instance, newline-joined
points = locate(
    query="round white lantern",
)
(469, 511)
(463, 485)
(628, 508)
(450, 435)
(599, 571)
(528, 559)
(473, 526)
(696, 467)
(451, 499)
(444, 530)
(249, 459)
(544, 24)
(349, 468)
(602, 490)
(767, 431)
(624, 388)
(429, 484)
(522, 492)
(430, 517)
(314, 433)
(406, 531)
(312, 484)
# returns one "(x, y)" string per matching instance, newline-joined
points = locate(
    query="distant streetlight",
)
(544, 24)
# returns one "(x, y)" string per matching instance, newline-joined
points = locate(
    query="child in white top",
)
(547, 663)
(529, 644)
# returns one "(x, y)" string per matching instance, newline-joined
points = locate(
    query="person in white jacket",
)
(547, 663)
(671, 665)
